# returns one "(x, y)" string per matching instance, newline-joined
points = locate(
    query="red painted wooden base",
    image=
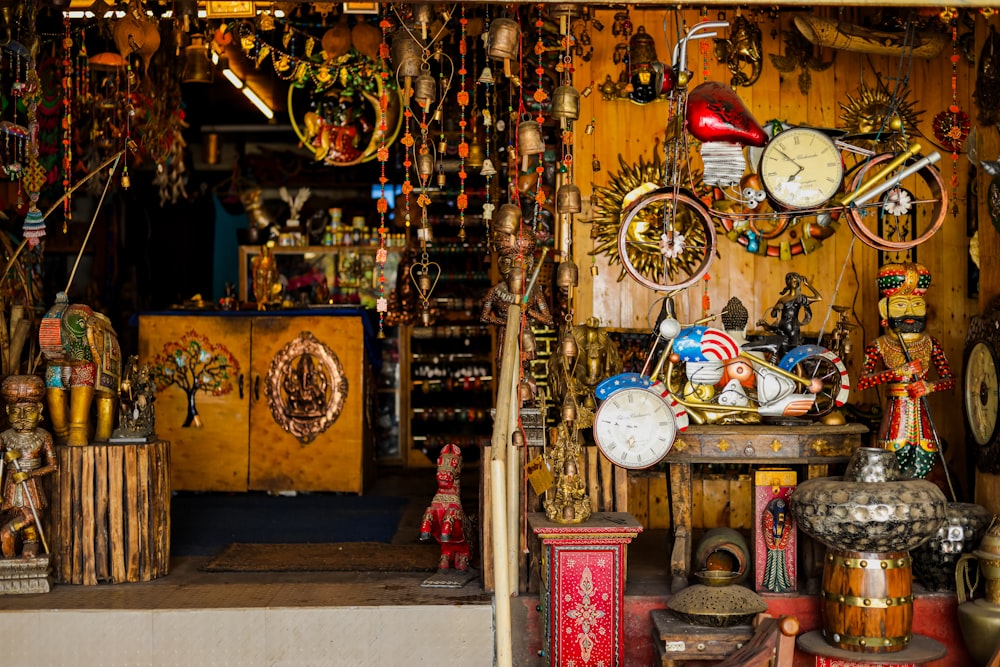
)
(583, 587)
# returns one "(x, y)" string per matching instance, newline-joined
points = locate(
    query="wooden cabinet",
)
(262, 402)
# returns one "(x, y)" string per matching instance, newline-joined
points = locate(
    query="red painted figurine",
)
(445, 519)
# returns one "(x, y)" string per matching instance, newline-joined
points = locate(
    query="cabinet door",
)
(201, 363)
(308, 426)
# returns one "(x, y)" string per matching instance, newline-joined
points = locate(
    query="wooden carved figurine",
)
(84, 366)
(445, 519)
(28, 455)
(902, 359)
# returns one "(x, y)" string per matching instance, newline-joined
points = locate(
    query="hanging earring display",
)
(951, 127)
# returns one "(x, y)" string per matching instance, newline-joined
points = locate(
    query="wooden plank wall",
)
(630, 130)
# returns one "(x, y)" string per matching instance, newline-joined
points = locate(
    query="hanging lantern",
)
(529, 138)
(425, 165)
(502, 40)
(567, 275)
(508, 219)
(488, 168)
(197, 66)
(566, 103)
(425, 88)
(568, 199)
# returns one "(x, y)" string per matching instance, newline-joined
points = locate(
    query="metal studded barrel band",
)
(872, 642)
(868, 563)
(869, 602)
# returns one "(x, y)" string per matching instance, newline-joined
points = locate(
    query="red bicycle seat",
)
(716, 113)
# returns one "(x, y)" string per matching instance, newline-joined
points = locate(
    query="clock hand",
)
(788, 157)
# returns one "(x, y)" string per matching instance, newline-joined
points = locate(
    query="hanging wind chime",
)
(951, 127)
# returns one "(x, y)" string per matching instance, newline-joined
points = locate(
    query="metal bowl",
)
(717, 577)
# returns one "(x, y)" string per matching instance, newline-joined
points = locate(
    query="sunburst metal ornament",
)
(878, 110)
(608, 214)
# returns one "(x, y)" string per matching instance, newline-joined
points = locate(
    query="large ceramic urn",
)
(869, 519)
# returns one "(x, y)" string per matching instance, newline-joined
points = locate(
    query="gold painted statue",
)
(28, 456)
(577, 370)
(266, 284)
(567, 501)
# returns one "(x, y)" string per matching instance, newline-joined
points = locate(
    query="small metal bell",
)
(641, 48)
(529, 138)
(569, 409)
(442, 180)
(475, 157)
(508, 219)
(443, 147)
(425, 89)
(515, 280)
(517, 438)
(407, 54)
(529, 348)
(569, 347)
(425, 165)
(568, 199)
(424, 283)
(524, 391)
(126, 181)
(486, 77)
(567, 275)
(502, 41)
(595, 164)
(566, 103)
(488, 169)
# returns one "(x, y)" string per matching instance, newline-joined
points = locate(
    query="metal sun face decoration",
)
(306, 387)
(878, 111)
(651, 256)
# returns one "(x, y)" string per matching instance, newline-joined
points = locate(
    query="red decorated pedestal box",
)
(774, 539)
(583, 587)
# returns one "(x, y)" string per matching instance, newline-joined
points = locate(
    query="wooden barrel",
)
(867, 600)
(111, 513)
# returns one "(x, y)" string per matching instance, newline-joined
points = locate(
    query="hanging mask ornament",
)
(741, 52)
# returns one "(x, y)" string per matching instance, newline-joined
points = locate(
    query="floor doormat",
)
(326, 557)
(204, 523)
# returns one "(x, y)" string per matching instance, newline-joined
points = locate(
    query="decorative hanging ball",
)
(951, 128)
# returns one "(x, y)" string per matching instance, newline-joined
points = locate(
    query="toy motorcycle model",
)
(718, 380)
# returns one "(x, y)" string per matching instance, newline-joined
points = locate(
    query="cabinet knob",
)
(241, 386)
(256, 388)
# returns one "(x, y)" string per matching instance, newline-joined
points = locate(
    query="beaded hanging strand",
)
(67, 122)
(951, 127)
(463, 148)
(540, 96)
(382, 303)
(488, 170)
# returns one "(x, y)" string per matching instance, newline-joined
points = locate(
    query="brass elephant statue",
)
(84, 366)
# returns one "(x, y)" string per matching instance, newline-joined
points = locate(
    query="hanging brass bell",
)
(524, 391)
(425, 165)
(566, 103)
(568, 346)
(502, 40)
(443, 147)
(508, 219)
(442, 180)
(486, 77)
(197, 66)
(568, 199)
(569, 409)
(529, 348)
(488, 168)
(425, 89)
(407, 54)
(641, 48)
(424, 282)
(567, 275)
(529, 138)
(475, 157)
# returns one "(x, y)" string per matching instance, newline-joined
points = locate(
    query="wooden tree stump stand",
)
(111, 513)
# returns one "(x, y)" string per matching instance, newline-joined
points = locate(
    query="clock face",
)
(801, 168)
(981, 386)
(634, 427)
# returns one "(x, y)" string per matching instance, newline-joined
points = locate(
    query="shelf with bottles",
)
(324, 275)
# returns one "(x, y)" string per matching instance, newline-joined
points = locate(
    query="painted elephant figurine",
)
(84, 366)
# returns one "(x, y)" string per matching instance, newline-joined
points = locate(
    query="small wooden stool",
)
(677, 640)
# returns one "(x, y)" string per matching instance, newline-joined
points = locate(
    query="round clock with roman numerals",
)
(635, 427)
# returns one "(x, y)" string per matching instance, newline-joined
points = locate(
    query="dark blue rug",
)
(204, 523)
